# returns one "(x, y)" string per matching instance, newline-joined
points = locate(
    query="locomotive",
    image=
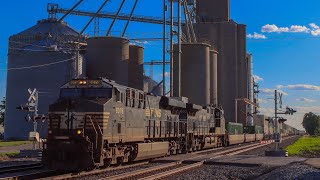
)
(97, 123)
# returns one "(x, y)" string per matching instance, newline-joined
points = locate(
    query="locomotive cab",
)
(77, 122)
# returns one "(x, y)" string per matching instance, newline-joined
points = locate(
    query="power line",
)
(37, 66)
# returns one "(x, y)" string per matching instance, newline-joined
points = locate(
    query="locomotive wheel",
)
(106, 163)
(120, 161)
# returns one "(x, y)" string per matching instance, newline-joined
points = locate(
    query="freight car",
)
(96, 123)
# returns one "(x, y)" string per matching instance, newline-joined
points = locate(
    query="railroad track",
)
(164, 170)
(18, 168)
(167, 170)
(24, 171)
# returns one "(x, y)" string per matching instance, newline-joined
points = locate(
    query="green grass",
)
(8, 154)
(12, 143)
(305, 146)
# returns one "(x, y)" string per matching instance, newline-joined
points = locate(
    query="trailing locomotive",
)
(96, 123)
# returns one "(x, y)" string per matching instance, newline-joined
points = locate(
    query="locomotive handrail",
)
(95, 131)
(98, 126)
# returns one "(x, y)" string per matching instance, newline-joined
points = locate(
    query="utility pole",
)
(179, 49)
(171, 47)
(277, 135)
(164, 47)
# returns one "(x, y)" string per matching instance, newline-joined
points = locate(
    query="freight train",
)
(97, 123)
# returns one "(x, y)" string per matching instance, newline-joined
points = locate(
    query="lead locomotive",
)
(96, 123)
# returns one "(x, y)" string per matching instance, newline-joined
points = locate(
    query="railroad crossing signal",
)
(280, 99)
(33, 95)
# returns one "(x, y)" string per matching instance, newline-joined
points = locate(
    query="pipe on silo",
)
(108, 57)
(214, 77)
(135, 79)
(251, 89)
(195, 72)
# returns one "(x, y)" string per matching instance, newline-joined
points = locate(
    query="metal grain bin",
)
(214, 77)
(42, 57)
(195, 73)
(108, 57)
(136, 61)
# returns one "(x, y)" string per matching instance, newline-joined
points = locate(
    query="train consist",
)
(96, 123)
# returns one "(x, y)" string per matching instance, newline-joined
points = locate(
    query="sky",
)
(283, 37)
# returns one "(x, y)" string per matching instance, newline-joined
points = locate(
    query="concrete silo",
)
(108, 57)
(215, 27)
(213, 10)
(195, 73)
(42, 57)
(213, 77)
(135, 68)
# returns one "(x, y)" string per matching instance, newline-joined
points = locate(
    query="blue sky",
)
(284, 44)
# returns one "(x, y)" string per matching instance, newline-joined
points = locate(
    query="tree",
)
(311, 123)
(2, 110)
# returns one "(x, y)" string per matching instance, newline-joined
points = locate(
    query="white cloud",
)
(167, 74)
(315, 29)
(141, 42)
(314, 26)
(300, 87)
(262, 101)
(272, 28)
(257, 78)
(305, 100)
(315, 32)
(271, 91)
(256, 36)
(299, 29)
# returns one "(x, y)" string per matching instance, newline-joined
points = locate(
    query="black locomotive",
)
(99, 122)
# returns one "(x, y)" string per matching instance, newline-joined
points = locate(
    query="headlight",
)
(79, 131)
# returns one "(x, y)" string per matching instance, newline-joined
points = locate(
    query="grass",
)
(8, 154)
(306, 146)
(12, 143)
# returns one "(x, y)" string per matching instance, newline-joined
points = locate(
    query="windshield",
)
(88, 93)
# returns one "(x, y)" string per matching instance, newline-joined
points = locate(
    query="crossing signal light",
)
(36, 118)
(43, 118)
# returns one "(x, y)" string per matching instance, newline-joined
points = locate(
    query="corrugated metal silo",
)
(108, 57)
(214, 77)
(42, 57)
(136, 66)
(195, 73)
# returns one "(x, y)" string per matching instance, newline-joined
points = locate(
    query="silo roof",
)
(52, 27)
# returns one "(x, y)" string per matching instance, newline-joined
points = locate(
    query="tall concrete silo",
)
(195, 73)
(214, 77)
(42, 57)
(223, 36)
(108, 57)
(213, 10)
(215, 27)
(242, 80)
(136, 61)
